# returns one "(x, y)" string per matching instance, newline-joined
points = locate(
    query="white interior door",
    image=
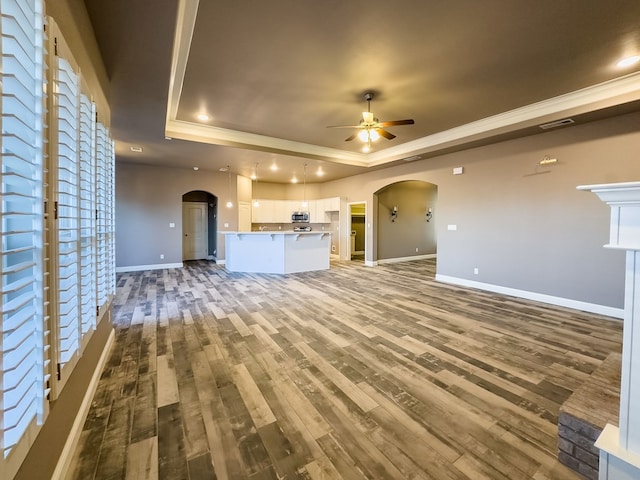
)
(195, 231)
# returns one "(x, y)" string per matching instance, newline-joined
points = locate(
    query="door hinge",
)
(55, 210)
(58, 370)
(55, 46)
(46, 207)
(96, 214)
(97, 311)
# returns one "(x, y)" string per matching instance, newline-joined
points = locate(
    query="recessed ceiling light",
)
(203, 117)
(320, 172)
(253, 176)
(136, 149)
(294, 180)
(274, 167)
(196, 168)
(628, 61)
(224, 169)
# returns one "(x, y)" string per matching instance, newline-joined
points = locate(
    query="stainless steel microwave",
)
(300, 217)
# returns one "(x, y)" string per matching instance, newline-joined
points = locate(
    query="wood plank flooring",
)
(350, 373)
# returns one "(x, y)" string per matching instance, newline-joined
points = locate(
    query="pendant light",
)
(256, 203)
(229, 202)
(305, 205)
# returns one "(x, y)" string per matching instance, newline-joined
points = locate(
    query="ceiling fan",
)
(370, 127)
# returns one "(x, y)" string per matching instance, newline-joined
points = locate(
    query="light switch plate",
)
(452, 227)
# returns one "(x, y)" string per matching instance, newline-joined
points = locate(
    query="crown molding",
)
(234, 138)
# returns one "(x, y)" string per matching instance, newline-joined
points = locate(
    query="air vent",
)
(136, 149)
(557, 123)
(413, 158)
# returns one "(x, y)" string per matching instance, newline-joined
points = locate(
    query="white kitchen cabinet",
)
(332, 204)
(262, 213)
(279, 211)
(316, 211)
(282, 211)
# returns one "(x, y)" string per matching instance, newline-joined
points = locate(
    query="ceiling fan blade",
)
(396, 122)
(348, 139)
(385, 134)
(344, 126)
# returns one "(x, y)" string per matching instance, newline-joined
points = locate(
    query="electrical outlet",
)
(162, 256)
(476, 271)
(416, 249)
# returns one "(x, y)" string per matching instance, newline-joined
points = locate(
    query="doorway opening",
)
(405, 223)
(357, 231)
(199, 225)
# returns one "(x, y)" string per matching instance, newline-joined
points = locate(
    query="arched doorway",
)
(405, 222)
(199, 225)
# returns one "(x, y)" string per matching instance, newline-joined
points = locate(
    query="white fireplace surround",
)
(620, 446)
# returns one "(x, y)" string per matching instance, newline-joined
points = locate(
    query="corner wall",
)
(149, 200)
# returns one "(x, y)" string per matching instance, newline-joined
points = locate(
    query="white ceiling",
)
(273, 75)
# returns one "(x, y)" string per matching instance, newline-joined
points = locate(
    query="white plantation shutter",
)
(105, 202)
(87, 215)
(66, 98)
(22, 323)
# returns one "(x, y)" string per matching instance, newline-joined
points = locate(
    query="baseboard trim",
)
(139, 268)
(64, 462)
(538, 297)
(406, 259)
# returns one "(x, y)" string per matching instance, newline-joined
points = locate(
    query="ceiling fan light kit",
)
(371, 129)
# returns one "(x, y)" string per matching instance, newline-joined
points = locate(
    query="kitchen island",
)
(277, 252)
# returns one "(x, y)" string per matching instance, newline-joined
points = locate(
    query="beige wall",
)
(533, 233)
(409, 234)
(529, 232)
(149, 199)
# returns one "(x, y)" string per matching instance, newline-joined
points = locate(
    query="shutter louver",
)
(21, 301)
(87, 215)
(66, 92)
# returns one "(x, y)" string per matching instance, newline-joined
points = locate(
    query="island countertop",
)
(278, 232)
(277, 251)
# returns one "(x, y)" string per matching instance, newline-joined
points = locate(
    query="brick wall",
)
(584, 415)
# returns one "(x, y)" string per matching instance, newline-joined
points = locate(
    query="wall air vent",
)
(557, 123)
(413, 158)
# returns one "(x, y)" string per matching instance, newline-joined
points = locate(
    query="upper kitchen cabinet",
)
(279, 211)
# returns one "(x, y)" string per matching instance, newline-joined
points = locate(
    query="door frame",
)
(366, 228)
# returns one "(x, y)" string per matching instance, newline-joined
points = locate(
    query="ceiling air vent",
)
(557, 123)
(413, 158)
